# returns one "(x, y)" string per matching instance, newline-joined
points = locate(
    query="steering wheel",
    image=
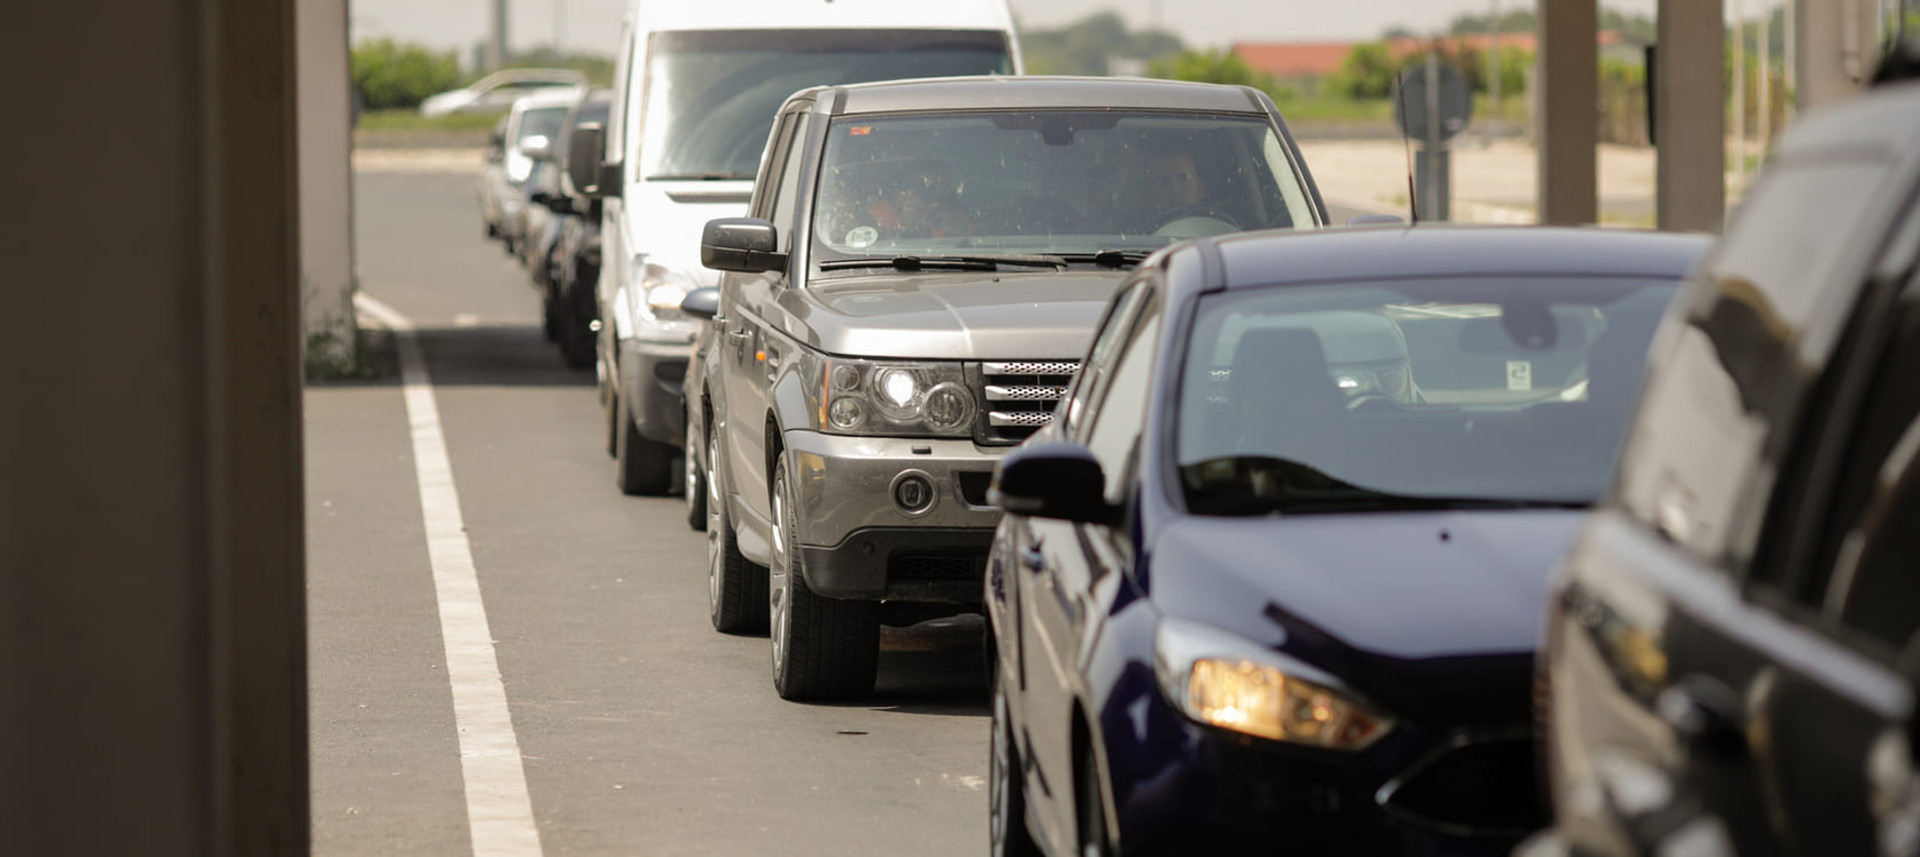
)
(1194, 213)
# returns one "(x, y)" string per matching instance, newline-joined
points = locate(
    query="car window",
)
(788, 189)
(1066, 181)
(1118, 320)
(712, 95)
(1121, 411)
(1501, 389)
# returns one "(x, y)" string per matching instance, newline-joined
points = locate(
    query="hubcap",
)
(716, 530)
(780, 573)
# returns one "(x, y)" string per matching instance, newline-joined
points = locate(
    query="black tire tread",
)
(641, 467)
(833, 646)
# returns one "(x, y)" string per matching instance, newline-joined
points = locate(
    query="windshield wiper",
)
(1260, 485)
(699, 177)
(956, 263)
(1110, 258)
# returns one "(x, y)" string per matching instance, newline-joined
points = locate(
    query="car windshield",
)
(1501, 391)
(1055, 182)
(541, 121)
(712, 96)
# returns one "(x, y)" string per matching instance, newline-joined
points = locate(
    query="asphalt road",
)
(641, 730)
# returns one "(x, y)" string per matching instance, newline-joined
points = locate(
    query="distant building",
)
(1300, 65)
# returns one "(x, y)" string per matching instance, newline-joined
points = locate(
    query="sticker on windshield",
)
(1519, 375)
(860, 130)
(861, 237)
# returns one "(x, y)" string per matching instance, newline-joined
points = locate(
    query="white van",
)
(697, 87)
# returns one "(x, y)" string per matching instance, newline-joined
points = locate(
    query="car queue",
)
(1266, 516)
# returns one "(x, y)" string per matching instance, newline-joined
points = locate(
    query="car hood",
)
(1017, 315)
(1431, 614)
(665, 220)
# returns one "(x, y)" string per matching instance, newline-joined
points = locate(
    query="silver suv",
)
(922, 269)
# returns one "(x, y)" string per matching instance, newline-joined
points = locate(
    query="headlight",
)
(660, 291)
(887, 398)
(1225, 681)
(519, 166)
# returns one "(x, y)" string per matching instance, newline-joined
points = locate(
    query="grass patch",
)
(411, 120)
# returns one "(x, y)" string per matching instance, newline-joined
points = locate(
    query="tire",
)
(610, 408)
(736, 587)
(550, 318)
(1007, 833)
(641, 467)
(823, 648)
(574, 327)
(696, 475)
(493, 229)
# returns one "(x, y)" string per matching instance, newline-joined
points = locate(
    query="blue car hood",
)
(1435, 611)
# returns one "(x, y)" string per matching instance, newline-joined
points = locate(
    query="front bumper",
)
(652, 380)
(856, 542)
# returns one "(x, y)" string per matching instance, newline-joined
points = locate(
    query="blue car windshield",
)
(1502, 390)
(712, 95)
(1051, 182)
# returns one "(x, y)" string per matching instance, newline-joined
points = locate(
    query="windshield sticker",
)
(861, 237)
(1519, 375)
(860, 130)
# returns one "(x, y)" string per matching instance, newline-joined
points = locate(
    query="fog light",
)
(913, 492)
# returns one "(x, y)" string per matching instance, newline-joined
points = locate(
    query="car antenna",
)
(1400, 96)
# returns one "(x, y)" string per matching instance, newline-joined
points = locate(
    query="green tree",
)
(1368, 71)
(391, 74)
(1214, 66)
(1088, 46)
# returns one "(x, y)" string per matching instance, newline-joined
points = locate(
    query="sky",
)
(593, 25)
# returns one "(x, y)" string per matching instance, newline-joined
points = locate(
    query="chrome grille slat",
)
(1020, 397)
(1025, 392)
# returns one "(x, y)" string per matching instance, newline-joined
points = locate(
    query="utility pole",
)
(497, 36)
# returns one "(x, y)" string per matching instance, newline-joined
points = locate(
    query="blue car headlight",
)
(1229, 682)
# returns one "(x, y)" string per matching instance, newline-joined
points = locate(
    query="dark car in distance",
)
(566, 255)
(1272, 580)
(1732, 656)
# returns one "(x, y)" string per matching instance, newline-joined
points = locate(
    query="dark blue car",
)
(1274, 577)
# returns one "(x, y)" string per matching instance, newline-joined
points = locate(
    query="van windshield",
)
(712, 95)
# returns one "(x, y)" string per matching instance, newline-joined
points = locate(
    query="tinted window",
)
(1122, 409)
(1498, 389)
(790, 175)
(712, 95)
(1056, 182)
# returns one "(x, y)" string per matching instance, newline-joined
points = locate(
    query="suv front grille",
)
(1017, 397)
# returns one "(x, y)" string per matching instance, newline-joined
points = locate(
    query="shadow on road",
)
(935, 667)
(479, 356)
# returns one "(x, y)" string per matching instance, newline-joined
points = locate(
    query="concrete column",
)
(327, 278)
(1835, 49)
(1690, 111)
(152, 622)
(1568, 118)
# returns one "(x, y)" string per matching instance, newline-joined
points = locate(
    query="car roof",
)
(557, 96)
(657, 15)
(1280, 257)
(1035, 92)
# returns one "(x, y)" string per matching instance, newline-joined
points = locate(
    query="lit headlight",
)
(660, 291)
(1222, 680)
(885, 398)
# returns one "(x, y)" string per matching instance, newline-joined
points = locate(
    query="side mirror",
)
(702, 303)
(537, 147)
(1052, 480)
(745, 245)
(584, 148)
(1376, 220)
(559, 204)
(540, 198)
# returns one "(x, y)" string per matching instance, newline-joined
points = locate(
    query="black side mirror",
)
(746, 245)
(1052, 480)
(559, 204)
(702, 303)
(584, 147)
(540, 197)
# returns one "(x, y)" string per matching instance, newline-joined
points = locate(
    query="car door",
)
(1058, 592)
(748, 343)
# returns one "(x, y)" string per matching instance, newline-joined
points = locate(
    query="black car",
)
(566, 255)
(1273, 578)
(1731, 659)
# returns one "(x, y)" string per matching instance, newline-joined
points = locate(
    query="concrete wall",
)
(326, 187)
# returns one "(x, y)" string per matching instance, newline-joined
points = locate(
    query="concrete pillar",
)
(1690, 112)
(327, 278)
(152, 623)
(1835, 50)
(1568, 117)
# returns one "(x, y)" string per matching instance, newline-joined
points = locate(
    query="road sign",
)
(1455, 100)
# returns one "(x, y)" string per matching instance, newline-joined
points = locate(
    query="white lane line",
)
(499, 812)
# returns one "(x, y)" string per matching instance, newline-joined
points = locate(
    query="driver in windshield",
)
(887, 202)
(1177, 200)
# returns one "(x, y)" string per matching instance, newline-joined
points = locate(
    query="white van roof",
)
(655, 15)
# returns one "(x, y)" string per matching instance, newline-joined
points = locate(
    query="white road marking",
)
(499, 812)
